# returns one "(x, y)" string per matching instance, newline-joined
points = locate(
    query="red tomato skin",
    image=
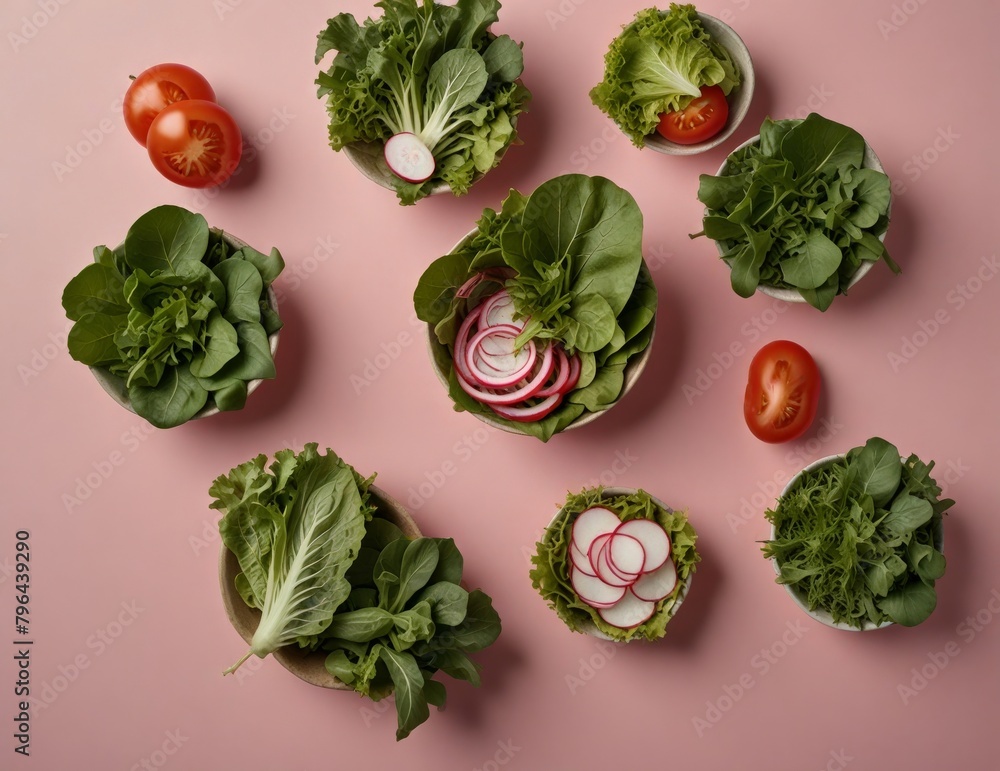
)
(785, 367)
(155, 89)
(185, 125)
(705, 117)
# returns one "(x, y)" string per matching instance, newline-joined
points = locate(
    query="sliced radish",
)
(508, 397)
(408, 157)
(505, 366)
(580, 560)
(656, 585)
(625, 555)
(628, 612)
(574, 373)
(528, 414)
(604, 570)
(591, 524)
(594, 591)
(654, 539)
(561, 375)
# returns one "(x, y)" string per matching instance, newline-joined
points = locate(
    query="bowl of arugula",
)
(799, 212)
(615, 563)
(542, 318)
(677, 81)
(179, 321)
(857, 539)
(431, 80)
(329, 575)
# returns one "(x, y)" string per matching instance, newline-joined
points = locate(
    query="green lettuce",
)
(550, 571)
(431, 70)
(659, 64)
(575, 246)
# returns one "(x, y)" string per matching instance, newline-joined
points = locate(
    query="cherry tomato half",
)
(782, 392)
(195, 143)
(702, 119)
(157, 88)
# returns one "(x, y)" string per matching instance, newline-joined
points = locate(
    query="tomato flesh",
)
(195, 143)
(157, 88)
(782, 394)
(702, 119)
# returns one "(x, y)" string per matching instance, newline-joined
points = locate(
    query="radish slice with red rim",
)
(590, 524)
(657, 585)
(625, 555)
(528, 414)
(561, 375)
(580, 560)
(461, 343)
(654, 539)
(593, 590)
(604, 571)
(628, 612)
(409, 158)
(574, 373)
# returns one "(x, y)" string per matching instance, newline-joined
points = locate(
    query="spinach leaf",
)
(164, 238)
(408, 682)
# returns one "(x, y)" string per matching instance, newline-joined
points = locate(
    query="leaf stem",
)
(238, 664)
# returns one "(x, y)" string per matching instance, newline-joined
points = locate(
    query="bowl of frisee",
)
(677, 81)
(424, 99)
(615, 563)
(329, 575)
(177, 322)
(542, 318)
(799, 212)
(857, 539)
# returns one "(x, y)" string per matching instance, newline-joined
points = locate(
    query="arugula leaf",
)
(858, 537)
(797, 210)
(659, 64)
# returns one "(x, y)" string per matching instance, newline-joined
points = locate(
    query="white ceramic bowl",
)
(870, 161)
(821, 615)
(115, 386)
(633, 369)
(610, 492)
(306, 665)
(739, 98)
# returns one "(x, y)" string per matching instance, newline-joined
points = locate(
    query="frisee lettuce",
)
(431, 70)
(550, 574)
(659, 64)
(860, 537)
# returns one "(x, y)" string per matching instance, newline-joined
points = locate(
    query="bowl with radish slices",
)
(615, 563)
(534, 328)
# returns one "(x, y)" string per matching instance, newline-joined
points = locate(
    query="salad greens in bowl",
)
(799, 212)
(678, 81)
(331, 576)
(615, 563)
(857, 539)
(425, 98)
(177, 322)
(542, 318)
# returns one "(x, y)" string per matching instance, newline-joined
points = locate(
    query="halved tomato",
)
(782, 392)
(157, 88)
(195, 143)
(705, 117)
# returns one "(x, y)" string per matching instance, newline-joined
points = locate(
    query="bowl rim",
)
(823, 616)
(308, 666)
(870, 161)
(729, 39)
(114, 385)
(633, 368)
(589, 627)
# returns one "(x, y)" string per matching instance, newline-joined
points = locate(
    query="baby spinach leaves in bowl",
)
(177, 322)
(857, 539)
(331, 576)
(799, 212)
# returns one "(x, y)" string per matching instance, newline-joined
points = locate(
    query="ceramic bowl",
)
(304, 664)
(441, 359)
(870, 161)
(611, 492)
(115, 386)
(739, 98)
(819, 614)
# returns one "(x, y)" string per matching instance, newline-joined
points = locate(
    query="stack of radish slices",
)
(620, 568)
(521, 384)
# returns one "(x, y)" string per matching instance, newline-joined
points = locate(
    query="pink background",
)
(921, 93)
